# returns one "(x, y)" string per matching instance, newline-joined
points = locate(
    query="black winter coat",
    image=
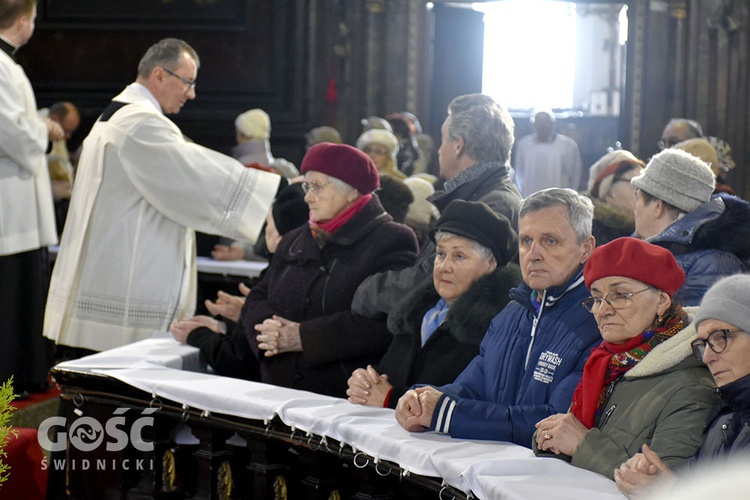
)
(729, 433)
(709, 243)
(455, 343)
(380, 293)
(314, 286)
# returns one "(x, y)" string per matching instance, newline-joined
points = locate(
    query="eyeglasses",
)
(716, 340)
(314, 187)
(191, 85)
(615, 300)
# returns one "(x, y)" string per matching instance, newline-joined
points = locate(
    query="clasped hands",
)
(560, 433)
(277, 335)
(642, 471)
(368, 387)
(415, 408)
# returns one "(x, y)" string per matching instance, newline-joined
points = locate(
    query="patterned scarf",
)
(608, 362)
(322, 230)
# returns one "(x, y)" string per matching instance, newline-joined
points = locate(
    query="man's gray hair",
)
(580, 209)
(166, 53)
(487, 128)
(484, 251)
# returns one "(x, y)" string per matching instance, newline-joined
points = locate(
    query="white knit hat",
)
(378, 136)
(420, 210)
(678, 178)
(254, 123)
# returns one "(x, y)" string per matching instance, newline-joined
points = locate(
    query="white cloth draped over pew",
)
(487, 469)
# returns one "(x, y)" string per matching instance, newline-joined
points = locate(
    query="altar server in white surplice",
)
(27, 220)
(126, 265)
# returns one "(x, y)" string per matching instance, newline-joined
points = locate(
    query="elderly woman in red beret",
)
(298, 318)
(641, 384)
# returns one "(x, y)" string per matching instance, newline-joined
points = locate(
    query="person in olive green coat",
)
(642, 384)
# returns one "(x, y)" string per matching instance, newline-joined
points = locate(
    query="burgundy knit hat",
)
(638, 260)
(343, 162)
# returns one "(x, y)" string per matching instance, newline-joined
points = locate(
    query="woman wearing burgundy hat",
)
(642, 384)
(298, 318)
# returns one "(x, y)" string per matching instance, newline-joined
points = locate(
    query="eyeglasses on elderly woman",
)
(716, 340)
(314, 187)
(615, 300)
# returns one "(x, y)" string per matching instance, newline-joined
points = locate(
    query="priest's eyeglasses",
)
(716, 340)
(615, 300)
(191, 85)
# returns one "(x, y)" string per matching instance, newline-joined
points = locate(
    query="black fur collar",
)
(469, 317)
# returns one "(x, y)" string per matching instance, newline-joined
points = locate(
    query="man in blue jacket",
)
(533, 353)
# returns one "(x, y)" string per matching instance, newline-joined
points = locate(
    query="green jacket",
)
(666, 401)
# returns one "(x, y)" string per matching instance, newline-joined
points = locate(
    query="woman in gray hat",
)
(723, 343)
(438, 327)
(709, 236)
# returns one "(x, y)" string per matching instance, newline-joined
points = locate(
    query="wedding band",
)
(546, 435)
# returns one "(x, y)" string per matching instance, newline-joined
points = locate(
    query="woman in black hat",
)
(438, 327)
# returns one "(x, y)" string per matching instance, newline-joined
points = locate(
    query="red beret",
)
(343, 162)
(638, 260)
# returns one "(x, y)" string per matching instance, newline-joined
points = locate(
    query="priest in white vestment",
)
(126, 264)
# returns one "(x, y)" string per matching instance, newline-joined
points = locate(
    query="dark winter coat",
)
(709, 243)
(455, 342)
(528, 366)
(228, 354)
(379, 294)
(493, 187)
(314, 286)
(729, 433)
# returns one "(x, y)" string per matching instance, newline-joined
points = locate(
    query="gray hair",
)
(484, 251)
(580, 209)
(486, 127)
(166, 53)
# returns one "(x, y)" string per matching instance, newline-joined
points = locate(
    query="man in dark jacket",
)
(477, 137)
(708, 235)
(533, 353)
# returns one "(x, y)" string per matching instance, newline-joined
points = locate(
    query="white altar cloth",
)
(488, 469)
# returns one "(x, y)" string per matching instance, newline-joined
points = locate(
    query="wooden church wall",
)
(693, 64)
(334, 62)
(306, 62)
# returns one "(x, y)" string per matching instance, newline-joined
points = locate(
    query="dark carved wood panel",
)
(288, 57)
(137, 14)
(696, 67)
(89, 57)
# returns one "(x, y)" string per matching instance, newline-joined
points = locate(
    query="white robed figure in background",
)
(126, 265)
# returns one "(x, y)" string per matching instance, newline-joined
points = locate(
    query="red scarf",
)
(334, 224)
(608, 362)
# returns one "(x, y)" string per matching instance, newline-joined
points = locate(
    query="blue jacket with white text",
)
(528, 366)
